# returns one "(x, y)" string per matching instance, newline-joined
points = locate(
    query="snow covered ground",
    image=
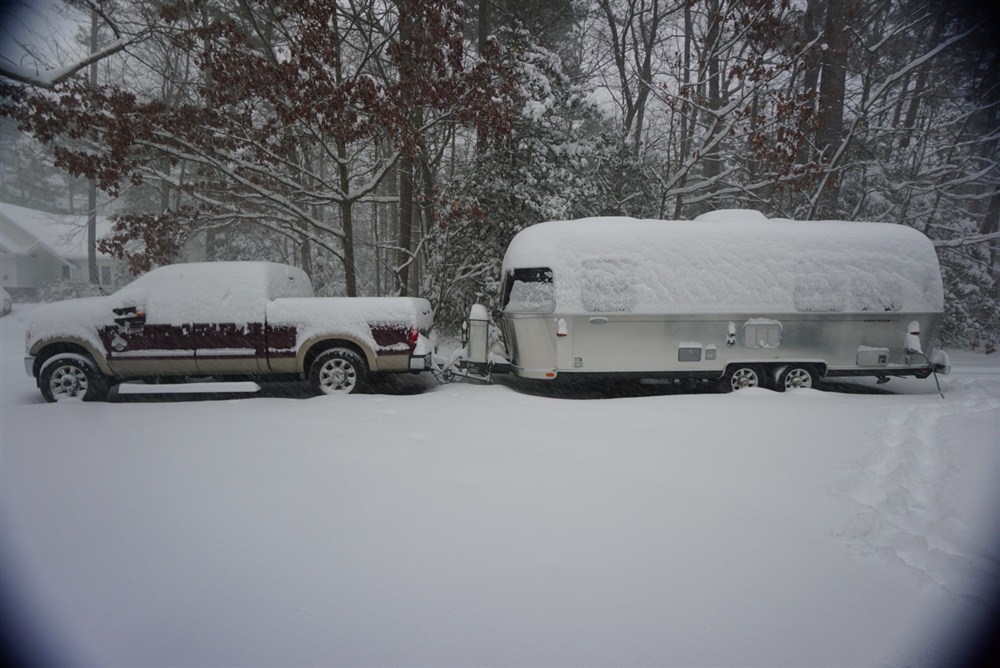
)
(469, 524)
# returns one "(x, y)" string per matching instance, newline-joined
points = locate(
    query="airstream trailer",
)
(730, 296)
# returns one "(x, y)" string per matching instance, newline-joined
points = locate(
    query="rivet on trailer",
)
(730, 297)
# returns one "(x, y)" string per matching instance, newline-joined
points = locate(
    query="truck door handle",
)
(598, 321)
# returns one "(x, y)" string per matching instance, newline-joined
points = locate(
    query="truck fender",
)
(69, 345)
(325, 341)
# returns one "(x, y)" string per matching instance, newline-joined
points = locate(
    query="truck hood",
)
(73, 318)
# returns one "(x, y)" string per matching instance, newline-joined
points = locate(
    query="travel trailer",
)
(730, 296)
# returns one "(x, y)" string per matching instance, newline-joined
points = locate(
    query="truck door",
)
(143, 339)
(228, 331)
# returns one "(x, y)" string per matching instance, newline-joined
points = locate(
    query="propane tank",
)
(479, 339)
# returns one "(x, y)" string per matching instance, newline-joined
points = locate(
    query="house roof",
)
(23, 231)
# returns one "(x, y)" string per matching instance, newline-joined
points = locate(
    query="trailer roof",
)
(732, 260)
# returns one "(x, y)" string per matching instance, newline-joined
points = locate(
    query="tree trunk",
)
(647, 40)
(483, 24)
(813, 62)
(687, 110)
(711, 164)
(344, 179)
(347, 221)
(405, 240)
(408, 160)
(911, 113)
(94, 276)
(831, 99)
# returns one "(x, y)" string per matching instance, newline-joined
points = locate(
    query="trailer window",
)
(529, 291)
(762, 333)
(609, 285)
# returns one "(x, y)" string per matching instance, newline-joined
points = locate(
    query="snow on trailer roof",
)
(732, 260)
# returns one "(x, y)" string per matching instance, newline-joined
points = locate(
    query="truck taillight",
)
(413, 336)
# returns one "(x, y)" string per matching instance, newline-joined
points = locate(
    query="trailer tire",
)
(743, 376)
(72, 377)
(338, 371)
(795, 377)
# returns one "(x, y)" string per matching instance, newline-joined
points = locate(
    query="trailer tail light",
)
(561, 328)
(413, 336)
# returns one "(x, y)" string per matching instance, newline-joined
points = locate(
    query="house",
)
(38, 249)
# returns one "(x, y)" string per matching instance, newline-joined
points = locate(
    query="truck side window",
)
(529, 291)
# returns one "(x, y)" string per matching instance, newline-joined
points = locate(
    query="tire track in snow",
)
(908, 492)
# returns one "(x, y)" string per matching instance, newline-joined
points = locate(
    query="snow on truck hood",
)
(733, 260)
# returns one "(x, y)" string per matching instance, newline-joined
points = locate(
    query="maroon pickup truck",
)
(228, 320)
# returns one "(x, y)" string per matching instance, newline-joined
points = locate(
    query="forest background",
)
(395, 146)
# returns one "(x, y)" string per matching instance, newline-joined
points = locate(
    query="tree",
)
(50, 78)
(545, 168)
(290, 88)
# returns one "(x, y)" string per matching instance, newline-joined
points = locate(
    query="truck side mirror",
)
(129, 316)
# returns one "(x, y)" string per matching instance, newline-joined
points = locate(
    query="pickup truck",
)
(223, 320)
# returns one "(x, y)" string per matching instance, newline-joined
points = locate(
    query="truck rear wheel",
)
(71, 377)
(338, 371)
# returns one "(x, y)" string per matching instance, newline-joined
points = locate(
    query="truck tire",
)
(71, 377)
(795, 377)
(338, 371)
(742, 376)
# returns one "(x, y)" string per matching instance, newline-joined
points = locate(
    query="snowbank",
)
(480, 525)
(729, 261)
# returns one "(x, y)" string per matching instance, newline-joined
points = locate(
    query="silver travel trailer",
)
(730, 296)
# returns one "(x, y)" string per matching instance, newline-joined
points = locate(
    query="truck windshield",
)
(529, 291)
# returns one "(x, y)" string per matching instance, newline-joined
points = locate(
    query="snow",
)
(213, 291)
(479, 312)
(729, 261)
(356, 316)
(503, 524)
(63, 235)
(229, 292)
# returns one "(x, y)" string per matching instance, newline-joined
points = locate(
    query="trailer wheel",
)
(795, 378)
(338, 371)
(739, 377)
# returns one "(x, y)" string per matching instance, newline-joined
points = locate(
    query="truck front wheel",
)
(71, 377)
(338, 371)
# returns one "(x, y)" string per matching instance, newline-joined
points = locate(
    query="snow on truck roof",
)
(731, 260)
(267, 278)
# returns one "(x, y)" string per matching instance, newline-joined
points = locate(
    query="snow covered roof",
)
(734, 260)
(24, 230)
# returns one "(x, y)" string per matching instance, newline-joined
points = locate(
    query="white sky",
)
(39, 33)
